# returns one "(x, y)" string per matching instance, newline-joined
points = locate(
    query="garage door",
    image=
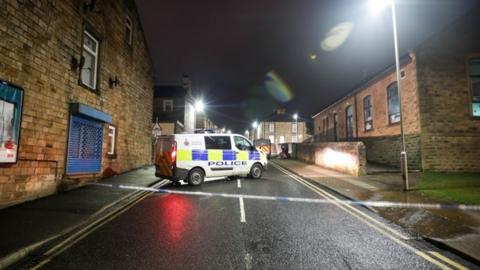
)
(85, 142)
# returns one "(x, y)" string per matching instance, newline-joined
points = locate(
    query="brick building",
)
(440, 84)
(79, 91)
(280, 127)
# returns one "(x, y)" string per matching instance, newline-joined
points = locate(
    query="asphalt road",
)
(171, 231)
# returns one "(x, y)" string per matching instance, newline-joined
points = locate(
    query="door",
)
(221, 156)
(243, 149)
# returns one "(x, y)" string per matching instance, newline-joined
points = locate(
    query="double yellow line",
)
(90, 228)
(438, 259)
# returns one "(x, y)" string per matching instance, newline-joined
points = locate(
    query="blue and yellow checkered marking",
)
(216, 155)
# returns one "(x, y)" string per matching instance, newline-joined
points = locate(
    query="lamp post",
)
(199, 107)
(295, 116)
(377, 5)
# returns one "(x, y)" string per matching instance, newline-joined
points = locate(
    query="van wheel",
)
(196, 177)
(256, 171)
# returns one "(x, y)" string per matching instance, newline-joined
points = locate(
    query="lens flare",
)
(277, 88)
(336, 36)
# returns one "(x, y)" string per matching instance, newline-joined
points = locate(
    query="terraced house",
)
(440, 84)
(75, 95)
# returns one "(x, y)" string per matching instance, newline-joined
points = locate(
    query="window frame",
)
(129, 29)
(390, 86)
(295, 127)
(250, 145)
(271, 127)
(348, 135)
(470, 86)
(165, 103)
(369, 109)
(112, 152)
(210, 137)
(96, 55)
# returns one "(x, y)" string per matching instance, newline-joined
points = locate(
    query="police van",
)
(195, 157)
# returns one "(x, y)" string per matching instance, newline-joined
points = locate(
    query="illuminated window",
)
(393, 104)
(111, 141)
(367, 113)
(88, 74)
(271, 127)
(474, 72)
(294, 127)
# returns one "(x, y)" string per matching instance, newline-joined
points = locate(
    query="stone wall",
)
(450, 132)
(386, 150)
(346, 157)
(39, 40)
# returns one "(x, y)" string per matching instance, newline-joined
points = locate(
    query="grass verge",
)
(451, 187)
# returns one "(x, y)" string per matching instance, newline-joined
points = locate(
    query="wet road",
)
(170, 231)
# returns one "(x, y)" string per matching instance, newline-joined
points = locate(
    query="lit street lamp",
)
(377, 5)
(199, 107)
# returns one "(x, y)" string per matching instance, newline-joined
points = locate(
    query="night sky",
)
(228, 47)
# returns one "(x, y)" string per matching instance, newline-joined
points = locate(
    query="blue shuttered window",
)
(85, 142)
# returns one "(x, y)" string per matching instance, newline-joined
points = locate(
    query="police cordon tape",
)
(382, 204)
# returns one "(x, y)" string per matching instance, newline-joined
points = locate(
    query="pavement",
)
(456, 230)
(27, 226)
(248, 224)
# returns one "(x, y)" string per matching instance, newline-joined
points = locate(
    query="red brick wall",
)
(39, 38)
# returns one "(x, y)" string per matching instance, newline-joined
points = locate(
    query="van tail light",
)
(173, 154)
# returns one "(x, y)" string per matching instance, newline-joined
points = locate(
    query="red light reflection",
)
(176, 211)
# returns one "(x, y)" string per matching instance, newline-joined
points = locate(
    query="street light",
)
(376, 6)
(199, 107)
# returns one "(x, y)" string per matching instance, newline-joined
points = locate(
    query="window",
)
(282, 139)
(367, 113)
(294, 127)
(218, 142)
(474, 72)
(335, 125)
(325, 126)
(111, 141)
(129, 30)
(272, 139)
(168, 105)
(349, 122)
(271, 127)
(393, 104)
(89, 71)
(294, 138)
(242, 144)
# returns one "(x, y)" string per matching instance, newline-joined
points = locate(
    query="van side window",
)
(218, 142)
(242, 144)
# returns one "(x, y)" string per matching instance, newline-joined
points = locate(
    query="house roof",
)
(281, 117)
(370, 81)
(170, 91)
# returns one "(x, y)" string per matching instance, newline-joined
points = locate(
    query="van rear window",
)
(218, 142)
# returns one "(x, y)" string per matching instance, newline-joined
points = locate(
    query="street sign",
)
(156, 130)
